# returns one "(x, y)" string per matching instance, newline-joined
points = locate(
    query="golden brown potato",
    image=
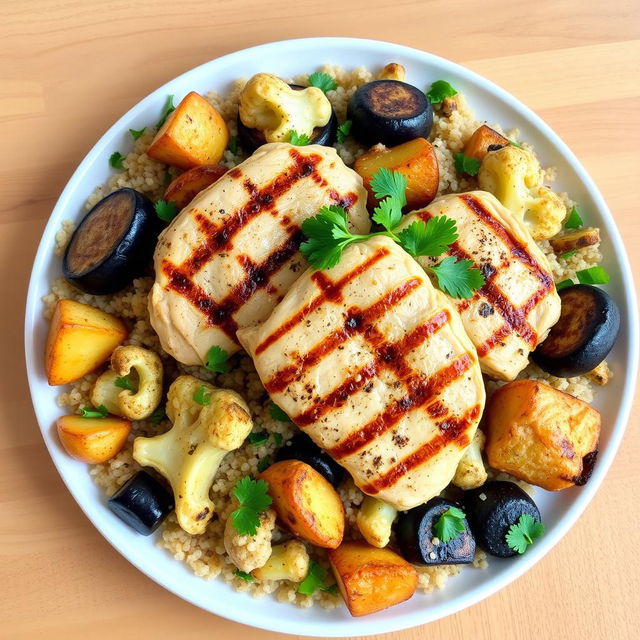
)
(481, 139)
(189, 184)
(371, 579)
(416, 160)
(600, 374)
(575, 239)
(392, 71)
(306, 503)
(194, 134)
(541, 435)
(92, 440)
(80, 339)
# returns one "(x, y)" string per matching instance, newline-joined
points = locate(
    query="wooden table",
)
(70, 69)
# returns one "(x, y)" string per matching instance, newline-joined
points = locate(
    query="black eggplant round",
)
(390, 112)
(304, 449)
(492, 509)
(583, 336)
(142, 503)
(113, 244)
(415, 533)
(250, 139)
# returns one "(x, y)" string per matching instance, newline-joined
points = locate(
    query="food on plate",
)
(371, 579)
(183, 189)
(389, 112)
(471, 472)
(392, 71)
(225, 262)
(514, 176)
(194, 134)
(483, 140)
(80, 339)
(541, 435)
(113, 244)
(303, 448)
(142, 503)
(305, 502)
(288, 561)
(583, 336)
(207, 424)
(92, 439)
(415, 159)
(575, 239)
(249, 552)
(132, 387)
(375, 520)
(498, 509)
(435, 533)
(518, 304)
(270, 110)
(601, 374)
(374, 364)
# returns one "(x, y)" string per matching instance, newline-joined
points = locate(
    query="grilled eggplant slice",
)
(583, 336)
(113, 244)
(390, 112)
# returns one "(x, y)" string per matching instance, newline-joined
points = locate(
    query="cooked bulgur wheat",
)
(205, 554)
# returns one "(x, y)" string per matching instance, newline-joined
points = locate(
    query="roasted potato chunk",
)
(306, 503)
(92, 440)
(371, 579)
(575, 239)
(481, 139)
(189, 184)
(541, 435)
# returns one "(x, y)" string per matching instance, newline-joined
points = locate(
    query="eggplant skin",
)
(126, 257)
(389, 112)
(583, 336)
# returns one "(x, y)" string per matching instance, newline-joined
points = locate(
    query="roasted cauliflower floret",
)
(514, 176)
(207, 424)
(250, 552)
(374, 521)
(272, 106)
(143, 372)
(288, 561)
(471, 472)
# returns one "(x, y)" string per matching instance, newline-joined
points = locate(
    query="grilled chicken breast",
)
(229, 257)
(514, 310)
(374, 364)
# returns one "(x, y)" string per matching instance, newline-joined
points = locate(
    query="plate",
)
(560, 511)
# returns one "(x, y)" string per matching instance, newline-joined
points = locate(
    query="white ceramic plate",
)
(559, 511)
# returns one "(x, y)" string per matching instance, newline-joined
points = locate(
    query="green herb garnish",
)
(277, 413)
(466, 164)
(332, 589)
(166, 110)
(563, 284)
(137, 134)
(515, 144)
(98, 412)
(440, 90)
(450, 524)
(264, 463)
(247, 577)
(277, 438)
(344, 130)
(158, 415)
(166, 211)
(256, 439)
(593, 275)
(458, 278)
(253, 498)
(430, 239)
(314, 580)
(233, 145)
(522, 534)
(202, 396)
(115, 160)
(323, 81)
(568, 254)
(300, 140)
(124, 382)
(167, 178)
(574, 221)
(217, 360)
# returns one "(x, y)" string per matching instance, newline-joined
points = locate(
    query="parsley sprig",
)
(166, 211)
(315, 579)
(253, 499)
(124, 382)
(217, 360)
(344, 130)
(328, 235)
(277, 413)
(98, 412)
(440, 90)
(522, 534)
(299, 139)
(322, 81)
(166, 110)
(202, 396)
(116, 159)
(137, 133)
(450, 524)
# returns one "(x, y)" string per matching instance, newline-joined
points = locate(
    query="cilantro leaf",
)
(466, 164)
(593, 275)
(300, 140)
(124, 382)
(568, 254)
(137, 134)
(314, 580)
(450, 524)
(522, 534)
(392, 184)
(98, 412)
(256, 439)
(202, 396)
(277, 438)
(233, 145)
(344, 130)
(253, 498)
(430, 239)
(323, 81)
(277, 413)
(166, 110)
(440, 90)
(459, 279)
(247, 577)
(115, 160)
(158, 415)
(328, 234)
(166, 211)
(388, 214)
(574, 221)
(167, 178)
(264, 463)
(217, 360)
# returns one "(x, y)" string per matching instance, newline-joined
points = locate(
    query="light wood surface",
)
(69, 69)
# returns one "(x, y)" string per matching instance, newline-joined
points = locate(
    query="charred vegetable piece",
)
(189, 184)
(492, 509)
(483, 140)
(142, 503)
(304, 449)
(113, 244)
(250, 139)
(390, 112)
(583, 336)
(416, 532)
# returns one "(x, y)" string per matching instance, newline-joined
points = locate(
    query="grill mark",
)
(389, 356)
(329, 291)
(420, 394)
(456, 432)
(357, 321)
